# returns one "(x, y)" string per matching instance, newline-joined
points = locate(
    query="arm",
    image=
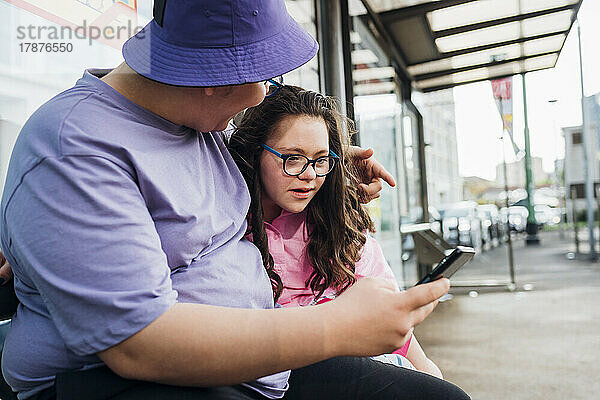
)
(219, 346)
(417, 357)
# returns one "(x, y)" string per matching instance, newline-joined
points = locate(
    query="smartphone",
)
(450, 264)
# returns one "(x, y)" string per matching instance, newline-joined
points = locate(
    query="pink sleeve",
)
(372, 263)
(404, 349)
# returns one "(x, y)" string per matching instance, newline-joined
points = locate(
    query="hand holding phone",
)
(450, 264)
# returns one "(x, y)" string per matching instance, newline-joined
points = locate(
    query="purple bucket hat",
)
(218, 42)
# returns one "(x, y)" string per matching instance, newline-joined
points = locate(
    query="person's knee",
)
(453, 392)
(399, 383)
(435, 388)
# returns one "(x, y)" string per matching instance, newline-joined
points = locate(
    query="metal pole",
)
(557, 178)
(567, 194)
(564, 216)
(598, 200)
(346, 27)
(574, 211)
(511, 258)
(532, 227)
(589, 187)
(332, 52)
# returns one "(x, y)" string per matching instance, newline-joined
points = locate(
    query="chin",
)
(222, 127)
(296, 208)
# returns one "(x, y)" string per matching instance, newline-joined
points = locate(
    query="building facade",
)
(574, 169)
(474, 187)
(515, 173)
(444, 185)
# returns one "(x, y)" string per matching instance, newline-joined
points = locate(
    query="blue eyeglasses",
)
(273, 85)
(296, 164)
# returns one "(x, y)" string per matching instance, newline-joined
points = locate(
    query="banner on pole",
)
(502, 90)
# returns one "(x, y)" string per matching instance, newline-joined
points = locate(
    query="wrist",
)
(332, 330)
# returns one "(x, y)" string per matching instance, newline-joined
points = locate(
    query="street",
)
(539, 343)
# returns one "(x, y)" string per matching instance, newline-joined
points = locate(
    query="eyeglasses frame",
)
(278, 84)
(284, 157)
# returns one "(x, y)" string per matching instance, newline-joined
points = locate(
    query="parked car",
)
(492, 221)
(546, 215)
(517, 218)
(461, 224)
(486, 227)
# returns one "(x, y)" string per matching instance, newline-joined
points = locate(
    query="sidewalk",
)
(542, 343)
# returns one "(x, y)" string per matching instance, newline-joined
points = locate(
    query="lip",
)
(302, 195)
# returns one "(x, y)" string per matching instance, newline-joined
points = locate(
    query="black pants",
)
(363, 378)
(101, 384)
(340, 378)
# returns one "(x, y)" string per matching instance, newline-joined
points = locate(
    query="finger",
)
(369, 192)
(370, 199)
(421, 295)
(364, 196)
(372, 188)
(379, 171)
(362, 193)
(361, 153)
(2, 259)
(419, 315)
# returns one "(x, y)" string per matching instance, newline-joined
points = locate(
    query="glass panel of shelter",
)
(380, 117)
(307, 76)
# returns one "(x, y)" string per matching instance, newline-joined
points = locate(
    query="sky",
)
(478, 124)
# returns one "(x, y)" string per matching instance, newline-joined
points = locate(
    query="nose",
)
(309, 173)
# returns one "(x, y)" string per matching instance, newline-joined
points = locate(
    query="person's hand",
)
(371, 318)
(8, 298)
(370, 171)
(5, 270)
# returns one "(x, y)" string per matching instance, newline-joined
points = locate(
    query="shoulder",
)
(71, 123)
(50, 118)
(43, 135)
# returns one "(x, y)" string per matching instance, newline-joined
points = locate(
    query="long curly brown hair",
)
(335, 217)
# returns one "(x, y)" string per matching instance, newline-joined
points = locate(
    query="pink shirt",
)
(288, 240)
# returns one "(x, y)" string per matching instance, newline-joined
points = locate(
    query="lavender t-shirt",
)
(110, 215)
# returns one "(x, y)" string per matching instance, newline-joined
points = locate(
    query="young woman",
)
(305, 216)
